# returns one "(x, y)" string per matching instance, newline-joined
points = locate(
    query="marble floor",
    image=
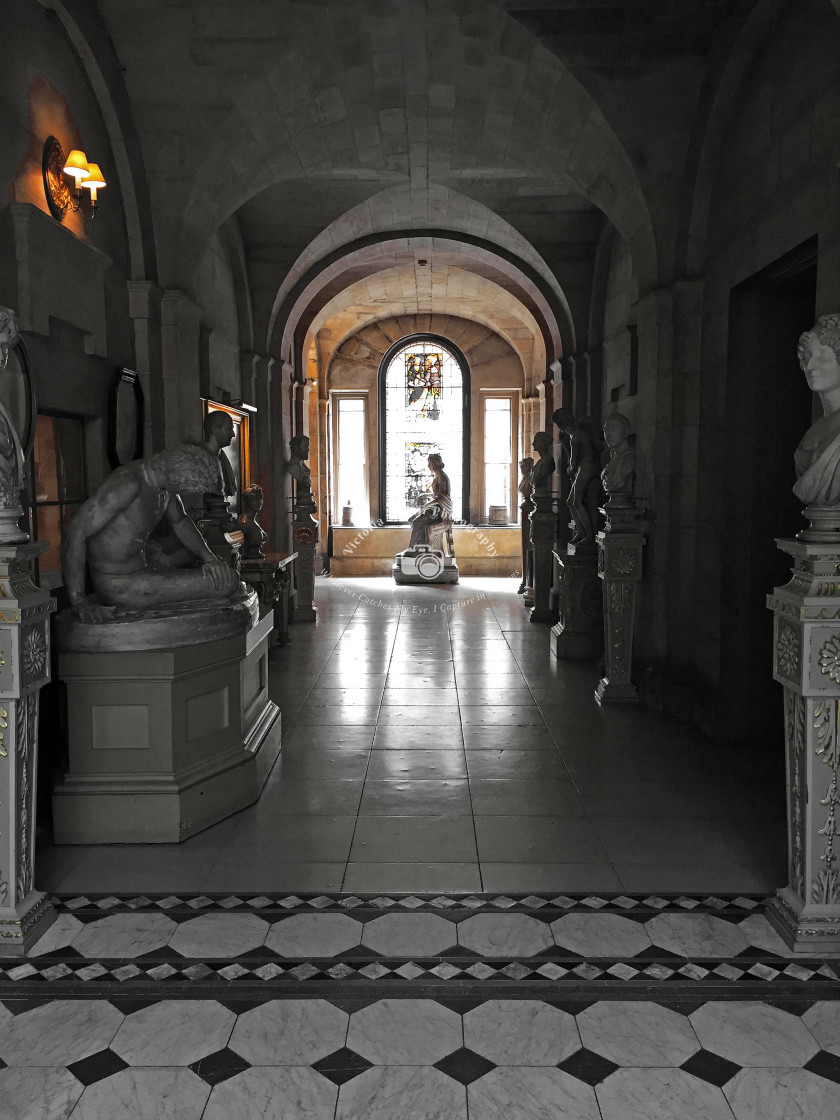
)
(431, 743)
(428, 1007)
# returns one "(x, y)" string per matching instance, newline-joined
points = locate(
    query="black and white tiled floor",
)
(429, 1007)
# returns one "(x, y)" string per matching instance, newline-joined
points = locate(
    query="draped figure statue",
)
(434, 520)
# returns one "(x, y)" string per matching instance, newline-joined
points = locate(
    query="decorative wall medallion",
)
(34, 652)
(830, 659)
(787, 651)
(55, 188)
(624, 562)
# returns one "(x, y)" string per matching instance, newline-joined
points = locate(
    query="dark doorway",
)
(768, 409)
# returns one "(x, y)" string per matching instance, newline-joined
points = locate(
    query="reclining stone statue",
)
(111, 530)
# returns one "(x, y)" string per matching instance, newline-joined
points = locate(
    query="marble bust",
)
(11, 452)
(617, 475)
(296, 466)
(218, 434)
(525, 466)
(541, 473)
(9, 334)
(817, 458)
(110, 533)
(255, 535)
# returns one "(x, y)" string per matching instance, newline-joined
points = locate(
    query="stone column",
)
(24, 669)
(806, 662)
(542, 521)
(620, 547)
(181, 351)
(144, 299)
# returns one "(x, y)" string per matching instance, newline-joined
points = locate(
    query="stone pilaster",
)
(806, 662)
(24, 669)
(144, 299)
(542, 521)
(181, 350)
(620, 547)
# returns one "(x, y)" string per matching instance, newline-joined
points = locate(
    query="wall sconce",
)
(60, 171)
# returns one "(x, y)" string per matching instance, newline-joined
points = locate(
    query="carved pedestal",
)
(806, 662)
(526, 587)
(305, 536)
(270, 576)
(24, 668)
(620, 568)
(578, 635)
(542, 538)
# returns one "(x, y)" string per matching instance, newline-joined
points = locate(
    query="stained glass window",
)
(424, 414)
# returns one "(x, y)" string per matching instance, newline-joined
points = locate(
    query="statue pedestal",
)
(578, 635)
(305, 536)
(526, 587)
(620, 568)
(25, 913)
(806, 662)
(165, 741)
(271, 576)
(542, 521)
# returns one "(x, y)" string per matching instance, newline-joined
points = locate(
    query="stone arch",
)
(504, 106)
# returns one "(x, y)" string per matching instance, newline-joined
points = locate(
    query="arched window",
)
(423, 408)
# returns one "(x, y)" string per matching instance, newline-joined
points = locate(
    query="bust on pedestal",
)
(526, 587)
(806, 662)
(25, 913)
(541, 520)
(578, 634)
(620, 546)
(304, 530)
(170, 724)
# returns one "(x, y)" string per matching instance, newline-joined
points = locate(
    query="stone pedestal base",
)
(608, 692)
(542, 520)
(578, 635)
(805, 929)
(22, 925)
(165, 742)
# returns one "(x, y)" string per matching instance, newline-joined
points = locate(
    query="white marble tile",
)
(273, 1093)
(501, 935)
(760, 933)
(660, 1094)
(289, 1032)
(823, 1021)
(174, 1033)
(531, 1094)
(58, 936)
(405, 1032)
(58, 1033)
(410, 935)
(46, 1093)
(314, 935)
(782, 1094)
(600, 935)
(753, 1034)
(696, 935)
(219, 935)
(527, 1032)
(145, 1094)
(124, 935)
(402, 1093)
(637, 1033)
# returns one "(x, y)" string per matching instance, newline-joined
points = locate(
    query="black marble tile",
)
(19, 1006)
(711, 1068)
(97, 1067)
(826, 1065)
(220, 1066)
(464, 1065)
(342, 1065)
(129, 1006)
(587, 1066)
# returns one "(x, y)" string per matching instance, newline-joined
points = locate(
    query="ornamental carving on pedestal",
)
(34, 652)
(26, 719)
(830, 659)
(795, 727)
(787, 651)
(825, 888)
(624, 562)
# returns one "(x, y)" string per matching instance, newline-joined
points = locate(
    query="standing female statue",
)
(438, 508)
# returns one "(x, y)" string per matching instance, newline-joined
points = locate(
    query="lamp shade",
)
(77, 165)
(94, 177)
